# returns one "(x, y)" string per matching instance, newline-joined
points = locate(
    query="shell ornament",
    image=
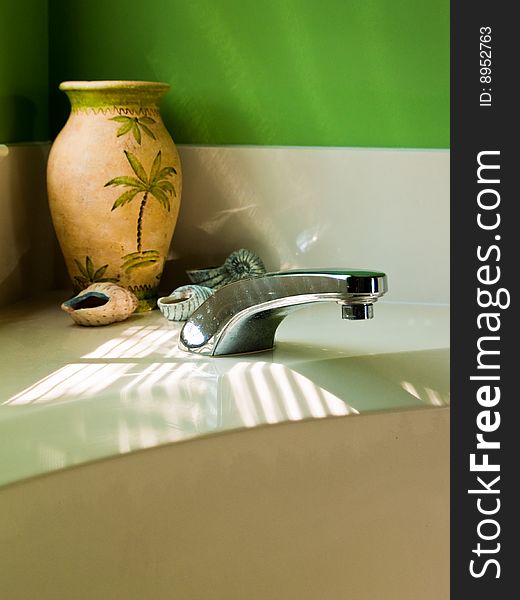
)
(101, 304)
(240, 264)
(183, 301)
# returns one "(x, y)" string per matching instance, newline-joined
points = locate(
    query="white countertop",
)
(69, 395)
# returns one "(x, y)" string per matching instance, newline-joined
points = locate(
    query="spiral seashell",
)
(213, 277)
(244, 264)
(240, 264)
(101, 304)
(183, 301)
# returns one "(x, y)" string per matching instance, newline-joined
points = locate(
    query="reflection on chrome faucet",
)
(243, 316)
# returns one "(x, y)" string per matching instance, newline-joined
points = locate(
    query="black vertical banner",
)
(485, 339)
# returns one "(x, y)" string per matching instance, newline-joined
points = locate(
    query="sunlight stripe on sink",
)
(244, 400)
(137, 342)
(291, 404)
(267, 401)
(76, 381)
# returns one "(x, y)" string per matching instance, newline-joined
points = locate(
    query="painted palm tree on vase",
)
(155, 185)
(90, 274)
(135, 125)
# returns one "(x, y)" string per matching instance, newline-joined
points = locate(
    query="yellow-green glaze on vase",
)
(114, 184)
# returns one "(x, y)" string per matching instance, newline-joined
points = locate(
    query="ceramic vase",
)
(114, 186)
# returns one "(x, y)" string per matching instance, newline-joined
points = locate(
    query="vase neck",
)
(134, 96)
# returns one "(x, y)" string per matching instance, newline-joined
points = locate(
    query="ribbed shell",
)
(240, 264)
(101, 304)
(183, 301)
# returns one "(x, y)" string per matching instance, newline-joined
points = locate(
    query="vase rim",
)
(103, 85)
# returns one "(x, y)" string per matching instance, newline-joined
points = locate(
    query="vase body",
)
(114, 186)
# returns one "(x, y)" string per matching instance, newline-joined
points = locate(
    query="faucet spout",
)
(243, 316)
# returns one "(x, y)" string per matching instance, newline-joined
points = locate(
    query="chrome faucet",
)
(243, 316)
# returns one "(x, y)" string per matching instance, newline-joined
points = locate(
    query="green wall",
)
(24, 77)
(371, 73)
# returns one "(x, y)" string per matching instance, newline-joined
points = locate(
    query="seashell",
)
(213, 277)
(101, 304)
(244, 264)
(183, 301)
(240, 264)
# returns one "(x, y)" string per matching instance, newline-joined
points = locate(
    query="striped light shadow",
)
(161, 379)
(145, 386)
(435, 398)
(184, 396)
(45, 386)
(336, 406)
(126, 392)
(137, 342)
(242, 395)
(427, 395)
(411, 389)
(309, 395)
(302, 398)
(272, 393)
(292, 406)
(264, 392)
(71, 381)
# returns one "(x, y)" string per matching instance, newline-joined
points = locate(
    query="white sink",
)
(71, 395)
(334, 461)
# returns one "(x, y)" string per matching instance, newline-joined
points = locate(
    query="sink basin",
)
(259, 476)
(71, 395)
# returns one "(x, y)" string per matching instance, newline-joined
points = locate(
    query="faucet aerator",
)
(357, 312)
